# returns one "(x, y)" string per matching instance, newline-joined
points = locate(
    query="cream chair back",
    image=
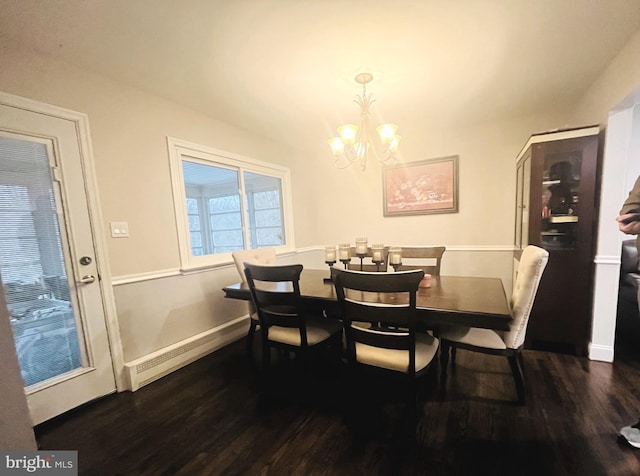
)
(262, 256)
(532, 264)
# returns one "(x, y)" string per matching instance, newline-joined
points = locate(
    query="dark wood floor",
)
(214, 418)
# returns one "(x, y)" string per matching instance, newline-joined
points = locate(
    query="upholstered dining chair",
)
(508, 343)
(284, 324)
(368, 265)
(367, 298)
(264, 256)
(430, 259)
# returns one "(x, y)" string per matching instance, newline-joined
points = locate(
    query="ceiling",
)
(285, 68)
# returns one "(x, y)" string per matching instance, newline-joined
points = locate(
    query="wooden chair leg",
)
(253, 324)
(515, 361)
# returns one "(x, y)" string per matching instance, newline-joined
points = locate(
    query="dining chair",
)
(432, 255)
(367, 298)
(284, 324)
(368, 265)
(264, 256)
(503, 343)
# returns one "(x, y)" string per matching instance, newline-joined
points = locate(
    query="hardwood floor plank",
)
(215, 418)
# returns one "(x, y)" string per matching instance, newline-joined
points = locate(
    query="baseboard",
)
(603, 353)
(149, 368)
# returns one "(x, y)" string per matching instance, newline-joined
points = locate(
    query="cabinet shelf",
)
(563, 219)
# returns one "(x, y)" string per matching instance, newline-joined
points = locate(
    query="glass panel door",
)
(560, 200)
(49, 269)
(32, 264)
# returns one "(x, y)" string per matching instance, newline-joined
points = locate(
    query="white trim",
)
(151, 367)
(168, 273)
(95, 216)
(607, 259)
(135, 278)
(558, 135)
(449, 248)
(601, 353)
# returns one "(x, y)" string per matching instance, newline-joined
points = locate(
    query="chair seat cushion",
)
(473, 336)
(319, 329)
(398, 360)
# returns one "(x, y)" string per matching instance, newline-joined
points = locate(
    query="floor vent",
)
(158, 364)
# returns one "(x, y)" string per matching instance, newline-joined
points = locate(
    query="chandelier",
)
(354, 145)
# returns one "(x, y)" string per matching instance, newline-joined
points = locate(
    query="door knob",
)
(88, 279)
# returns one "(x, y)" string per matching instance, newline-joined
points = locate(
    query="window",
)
(225, 203)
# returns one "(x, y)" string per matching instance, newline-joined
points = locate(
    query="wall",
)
(351, 203)
(613, 101)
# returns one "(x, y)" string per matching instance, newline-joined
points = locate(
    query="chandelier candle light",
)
(354, 144)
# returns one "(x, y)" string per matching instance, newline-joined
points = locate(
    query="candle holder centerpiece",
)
(361, 250)
(377, 255)
(395, 257)
(329, 259)
(344, 254)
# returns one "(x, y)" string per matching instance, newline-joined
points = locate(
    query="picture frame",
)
(423, 187)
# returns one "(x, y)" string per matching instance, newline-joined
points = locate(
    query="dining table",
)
(456, 300)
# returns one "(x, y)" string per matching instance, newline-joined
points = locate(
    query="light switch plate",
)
(119, 229)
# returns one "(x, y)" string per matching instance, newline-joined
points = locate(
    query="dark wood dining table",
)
(467, 301)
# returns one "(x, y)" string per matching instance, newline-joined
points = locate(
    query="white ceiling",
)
(285, 68)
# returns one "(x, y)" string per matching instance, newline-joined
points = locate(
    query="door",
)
(48, 265)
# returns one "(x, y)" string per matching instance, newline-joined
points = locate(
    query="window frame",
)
(180, 150)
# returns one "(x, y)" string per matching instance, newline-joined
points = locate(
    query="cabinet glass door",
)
(560, 200)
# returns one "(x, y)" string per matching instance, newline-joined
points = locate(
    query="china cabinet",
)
(556, 198)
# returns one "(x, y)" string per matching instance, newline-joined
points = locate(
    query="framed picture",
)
(423, 187)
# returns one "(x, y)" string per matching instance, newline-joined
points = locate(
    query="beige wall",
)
(348, 203)
(614, 85)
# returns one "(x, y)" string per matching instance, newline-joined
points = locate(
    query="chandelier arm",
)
(358, 148)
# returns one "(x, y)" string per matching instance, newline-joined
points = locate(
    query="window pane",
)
(229, 238)
(194, 223)
(216, 188)
(226, 221)
(192, 206)
(267, 199)
(196, 240)
(269, 237)
(32, 266)
(268, 218)
(266, 222)
(225, 204)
